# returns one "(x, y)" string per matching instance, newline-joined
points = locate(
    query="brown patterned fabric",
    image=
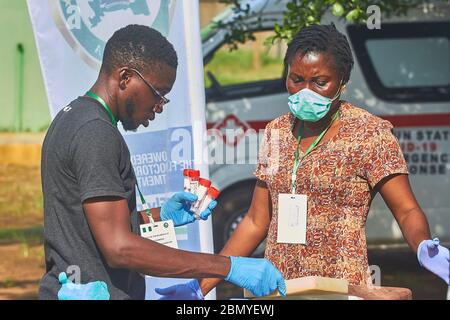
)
(338, 177)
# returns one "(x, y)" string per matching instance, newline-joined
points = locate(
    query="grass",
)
(8, 283)
(237, 67)
(31, 235)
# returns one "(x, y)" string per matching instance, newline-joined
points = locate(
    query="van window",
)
(252, 61)
(251, 70)
(419, 62)
(405, 62)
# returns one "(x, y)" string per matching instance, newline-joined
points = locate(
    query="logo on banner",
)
(88, 24)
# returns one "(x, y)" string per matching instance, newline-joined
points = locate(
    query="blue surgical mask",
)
(310, 106)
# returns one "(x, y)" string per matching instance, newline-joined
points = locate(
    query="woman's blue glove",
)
(97, 290)
(177, 207)
(257, 275)
(435, 258)
(186, 291)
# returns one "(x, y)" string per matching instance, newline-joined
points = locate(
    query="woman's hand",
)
(435, 258)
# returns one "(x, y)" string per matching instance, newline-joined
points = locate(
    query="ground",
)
(21, 219)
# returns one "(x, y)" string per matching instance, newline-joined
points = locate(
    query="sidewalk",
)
(21, 148)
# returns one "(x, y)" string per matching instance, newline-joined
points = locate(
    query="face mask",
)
(310, 106)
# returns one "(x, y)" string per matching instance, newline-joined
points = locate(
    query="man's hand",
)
(177, 208)
(186, 291)
(435, 258)
(257, 275)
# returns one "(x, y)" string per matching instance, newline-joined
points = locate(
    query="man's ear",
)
(124, 78)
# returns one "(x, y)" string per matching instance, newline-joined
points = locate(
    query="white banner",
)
(70, 37)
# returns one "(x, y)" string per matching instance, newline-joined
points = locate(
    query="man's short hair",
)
(139, 47)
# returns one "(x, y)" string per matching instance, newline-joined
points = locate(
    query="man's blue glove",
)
(97, 290)
(257, 275)
(435, 258)
(177, 208)
(186, 291)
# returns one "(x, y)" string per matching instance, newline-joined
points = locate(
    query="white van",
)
(401, 73)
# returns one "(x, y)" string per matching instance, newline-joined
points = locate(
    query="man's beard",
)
(129, 124)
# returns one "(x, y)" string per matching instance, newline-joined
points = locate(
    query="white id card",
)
(162, 232)
(292, 209)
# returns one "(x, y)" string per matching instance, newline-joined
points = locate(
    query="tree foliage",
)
(302, 13)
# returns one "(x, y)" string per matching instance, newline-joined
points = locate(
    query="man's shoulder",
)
(82, 110)
(81, 122)
(80, 115)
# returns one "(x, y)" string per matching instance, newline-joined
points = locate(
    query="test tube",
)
(211, 195)
(203, 186)
(187, 180)
(194, 177)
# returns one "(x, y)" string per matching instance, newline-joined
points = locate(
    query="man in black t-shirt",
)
(91, 221)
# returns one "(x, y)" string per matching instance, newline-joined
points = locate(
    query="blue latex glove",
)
(257, 275)
(186, 291)
(435, 258)
(177, 207)
(97, 290)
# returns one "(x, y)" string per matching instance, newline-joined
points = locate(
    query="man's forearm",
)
(151, 258)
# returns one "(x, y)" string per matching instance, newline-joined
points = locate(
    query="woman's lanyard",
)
(114, 122)
(308, 151)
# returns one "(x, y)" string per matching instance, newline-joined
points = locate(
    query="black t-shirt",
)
(84, 156)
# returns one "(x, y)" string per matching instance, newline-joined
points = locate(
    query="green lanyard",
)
(114, 122)
(103, 103)
(144, 205)
(308, 151)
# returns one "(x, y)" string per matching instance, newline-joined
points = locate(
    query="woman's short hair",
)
(322, 38)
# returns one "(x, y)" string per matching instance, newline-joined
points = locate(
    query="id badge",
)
(292, 209)
(162, 232)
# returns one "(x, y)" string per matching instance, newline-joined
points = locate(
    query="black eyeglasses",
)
(162, 100)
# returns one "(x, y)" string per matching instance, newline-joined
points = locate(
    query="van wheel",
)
(232, 206)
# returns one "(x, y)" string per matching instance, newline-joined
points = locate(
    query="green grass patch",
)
(237, 67)
(26, 236)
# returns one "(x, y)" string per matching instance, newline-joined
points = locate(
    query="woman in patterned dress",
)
(357, 157)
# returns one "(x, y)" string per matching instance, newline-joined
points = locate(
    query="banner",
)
(70, 37)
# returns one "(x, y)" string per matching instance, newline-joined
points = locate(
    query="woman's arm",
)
(250, 232)
(396, 192)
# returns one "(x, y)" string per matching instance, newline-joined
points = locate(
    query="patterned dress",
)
(338, 177)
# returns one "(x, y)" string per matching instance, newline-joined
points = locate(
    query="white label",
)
(201, 192)
(205, 203)
(194, 186)
(162, 232)
(292, 210)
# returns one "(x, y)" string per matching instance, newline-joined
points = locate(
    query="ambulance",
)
(401, 74)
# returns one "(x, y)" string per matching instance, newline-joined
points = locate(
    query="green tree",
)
(302, 13)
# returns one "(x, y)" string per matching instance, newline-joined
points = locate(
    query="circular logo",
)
(87, 24)
(166, 225)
